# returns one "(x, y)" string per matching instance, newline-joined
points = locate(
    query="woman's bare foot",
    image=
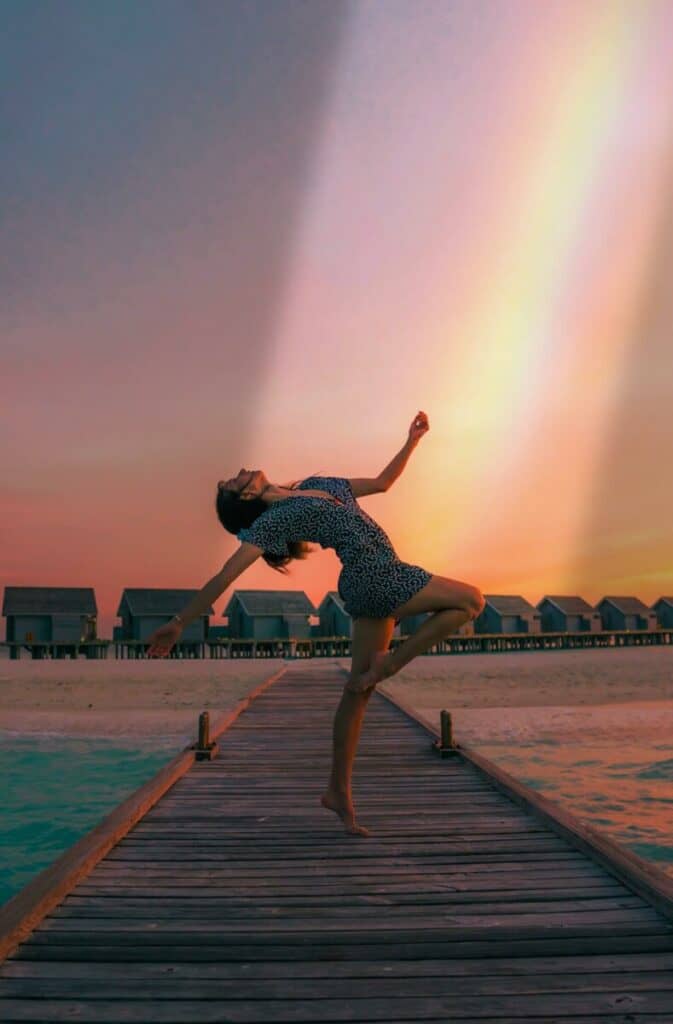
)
(343, 806)
(379, 668)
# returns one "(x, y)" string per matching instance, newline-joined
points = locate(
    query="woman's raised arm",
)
(389, 475)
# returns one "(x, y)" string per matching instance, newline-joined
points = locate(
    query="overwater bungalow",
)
(334, 619)
(626, 613)
(568, 615)
(269, 614)
(50, 615)
(144, 609)
(508, 614)
(663, 609)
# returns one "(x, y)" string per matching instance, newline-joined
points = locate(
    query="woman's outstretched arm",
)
(244, 556)
(419, 426)
(163, 639)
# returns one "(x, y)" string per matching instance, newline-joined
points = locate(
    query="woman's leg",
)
(369, 637)
(452, 602)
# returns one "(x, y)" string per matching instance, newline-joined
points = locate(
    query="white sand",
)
(538, 678)
(553, 691)
(555, 724)
(538, 696)
(124, 697)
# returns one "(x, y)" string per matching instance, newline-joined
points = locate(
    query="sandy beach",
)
(559, 690)
(528, 696)
(123, 698)
(537, 678)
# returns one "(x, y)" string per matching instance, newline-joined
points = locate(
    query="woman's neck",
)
(276, 493)
(273, 492)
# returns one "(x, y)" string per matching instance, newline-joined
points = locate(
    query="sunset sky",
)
(266, 234)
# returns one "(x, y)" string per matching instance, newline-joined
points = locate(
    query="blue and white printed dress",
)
(373, 580)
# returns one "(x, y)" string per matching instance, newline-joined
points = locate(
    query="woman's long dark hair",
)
(236, 513)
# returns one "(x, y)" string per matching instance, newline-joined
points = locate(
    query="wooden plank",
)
(391, 988)
(449, 845)
(396, 980)
(174, 849)
(115, 900)
(557, 1006)
(259, 886)
(170, 907)
(327, 949)
(484, 866)
(509, 967)
(199, 810)
(459, 853)
(188, 1008)
(306, 844)
(344, 885)
(450, 926)
(349, 871)
(352, 882)
(417, 892)
(216, 831)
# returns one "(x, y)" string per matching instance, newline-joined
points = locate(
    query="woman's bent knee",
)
(471, 601)
(476, 603)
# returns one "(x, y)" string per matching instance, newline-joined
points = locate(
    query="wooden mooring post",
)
(204, 749)
(445, 746)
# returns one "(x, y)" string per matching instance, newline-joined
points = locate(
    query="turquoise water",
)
(624, 791)
(55, 790)
(59, 789)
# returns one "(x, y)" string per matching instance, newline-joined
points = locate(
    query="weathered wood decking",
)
(237, 897)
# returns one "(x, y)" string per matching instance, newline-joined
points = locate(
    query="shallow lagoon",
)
(56, 790)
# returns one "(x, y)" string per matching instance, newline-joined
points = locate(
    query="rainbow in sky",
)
(271, 248)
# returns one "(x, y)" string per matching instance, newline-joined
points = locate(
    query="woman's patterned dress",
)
(373, 580)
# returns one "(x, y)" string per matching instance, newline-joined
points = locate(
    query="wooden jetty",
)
(223, 891)
(340, 646)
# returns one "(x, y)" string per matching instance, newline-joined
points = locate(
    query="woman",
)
(275, 521)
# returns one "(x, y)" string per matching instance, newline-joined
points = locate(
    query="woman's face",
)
(248, 483)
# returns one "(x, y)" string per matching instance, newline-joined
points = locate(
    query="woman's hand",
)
(163, 639)
(419, 427)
